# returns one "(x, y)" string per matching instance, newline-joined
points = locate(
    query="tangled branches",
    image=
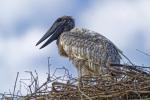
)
(133, 83)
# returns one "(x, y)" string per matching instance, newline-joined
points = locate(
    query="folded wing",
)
(89, 50)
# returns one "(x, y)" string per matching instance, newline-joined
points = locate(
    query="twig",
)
(131, 67)
(143, 52)
(82, 91)
(48, 78)
(126, 58)
(15, 84)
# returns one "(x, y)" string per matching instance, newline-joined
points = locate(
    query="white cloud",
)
(18, 54)
(15, 49)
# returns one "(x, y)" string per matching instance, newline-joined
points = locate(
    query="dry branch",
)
(133, 83)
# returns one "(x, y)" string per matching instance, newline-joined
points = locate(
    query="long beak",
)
(54, 32)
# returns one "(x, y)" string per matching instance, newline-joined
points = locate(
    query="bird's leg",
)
(82, 67)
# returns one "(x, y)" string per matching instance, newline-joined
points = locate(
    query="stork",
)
(90, 52)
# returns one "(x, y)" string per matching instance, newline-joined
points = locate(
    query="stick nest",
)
(133, 83)
(129, 83)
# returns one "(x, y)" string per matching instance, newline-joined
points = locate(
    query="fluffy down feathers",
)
(89, 51)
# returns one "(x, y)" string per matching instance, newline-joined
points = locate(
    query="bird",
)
(90, 52)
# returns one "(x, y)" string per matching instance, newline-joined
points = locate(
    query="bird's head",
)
(62, 24)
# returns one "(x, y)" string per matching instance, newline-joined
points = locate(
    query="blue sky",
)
(22, 23)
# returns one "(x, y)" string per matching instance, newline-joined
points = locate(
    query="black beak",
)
(54, 32)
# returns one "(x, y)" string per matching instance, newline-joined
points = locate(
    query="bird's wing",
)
(89, 46)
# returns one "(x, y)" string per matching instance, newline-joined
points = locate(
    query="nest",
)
(129, 83)
(133, 83)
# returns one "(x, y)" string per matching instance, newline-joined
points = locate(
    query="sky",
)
(23, 22)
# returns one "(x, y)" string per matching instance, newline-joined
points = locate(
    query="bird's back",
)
(89, 47)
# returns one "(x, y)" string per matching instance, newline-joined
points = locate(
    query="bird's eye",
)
(58, 20)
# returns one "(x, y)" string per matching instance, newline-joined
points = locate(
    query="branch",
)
(15, 84)
(132, 68)
(143, 52)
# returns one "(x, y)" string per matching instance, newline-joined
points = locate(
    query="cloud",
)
(17, 55)
(24, 46)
